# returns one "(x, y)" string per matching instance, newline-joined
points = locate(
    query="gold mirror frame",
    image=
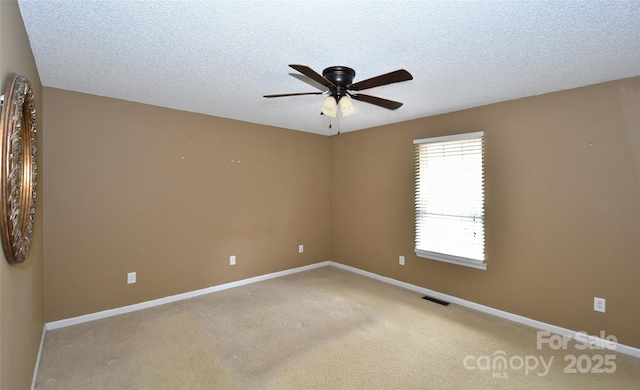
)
(19, 168)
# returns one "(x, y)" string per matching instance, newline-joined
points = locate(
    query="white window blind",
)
(449, 199)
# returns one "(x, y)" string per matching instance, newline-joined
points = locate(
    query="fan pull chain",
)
(337, 123)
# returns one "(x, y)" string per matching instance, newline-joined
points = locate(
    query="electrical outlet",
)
(401, 260)
(300, 248)
(599, 304)
(131, 277)
(232, 260)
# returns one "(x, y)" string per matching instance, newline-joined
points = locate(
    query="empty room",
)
(320, 194)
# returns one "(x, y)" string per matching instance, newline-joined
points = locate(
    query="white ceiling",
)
(220, 57)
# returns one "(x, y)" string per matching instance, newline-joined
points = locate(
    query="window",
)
(450, 199)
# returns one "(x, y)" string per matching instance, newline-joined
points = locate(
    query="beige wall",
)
(562, 186)
(171, 195)
(21, 293)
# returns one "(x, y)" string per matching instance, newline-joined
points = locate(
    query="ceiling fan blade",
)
(312, 74)
(384, 79)
(390, 104)
(293, 94)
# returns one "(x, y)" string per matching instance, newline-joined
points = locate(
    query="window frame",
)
(446, 257)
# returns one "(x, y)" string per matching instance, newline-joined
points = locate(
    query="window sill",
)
(464, 261)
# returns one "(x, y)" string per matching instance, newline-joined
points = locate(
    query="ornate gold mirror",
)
(19, 168)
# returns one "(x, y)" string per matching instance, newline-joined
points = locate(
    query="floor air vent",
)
(439, 302)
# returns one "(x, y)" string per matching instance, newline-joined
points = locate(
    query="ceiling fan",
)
(339, 80)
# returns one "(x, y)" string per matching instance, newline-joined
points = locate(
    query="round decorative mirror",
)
(19, 168)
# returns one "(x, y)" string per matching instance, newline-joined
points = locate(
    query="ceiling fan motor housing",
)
(341, 77)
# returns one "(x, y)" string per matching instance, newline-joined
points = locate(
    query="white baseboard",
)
(174, 298)
(576, 335)
(625, 349)
(37, 365)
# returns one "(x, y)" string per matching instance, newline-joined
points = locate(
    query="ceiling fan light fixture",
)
(346, 106)
(330, 107)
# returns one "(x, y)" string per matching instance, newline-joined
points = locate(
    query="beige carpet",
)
(320, 329)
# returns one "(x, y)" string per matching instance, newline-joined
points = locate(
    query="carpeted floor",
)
(321, 329)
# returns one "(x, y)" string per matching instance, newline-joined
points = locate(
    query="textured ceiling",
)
(220, 57)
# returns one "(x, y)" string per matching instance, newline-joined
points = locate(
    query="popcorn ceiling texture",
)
(219, 57)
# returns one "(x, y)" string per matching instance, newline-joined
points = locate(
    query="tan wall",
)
(171, 195)
(562, 188)
(21, 292)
